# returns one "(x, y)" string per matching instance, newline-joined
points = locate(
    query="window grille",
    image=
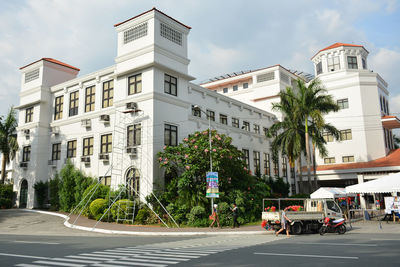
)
(135, 33)
(284, 78)
(265, 77)
(171, 34)
(32, 75)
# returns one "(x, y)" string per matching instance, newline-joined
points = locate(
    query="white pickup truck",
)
(309, 219)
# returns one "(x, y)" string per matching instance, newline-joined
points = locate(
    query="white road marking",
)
(302, 255)
(150, 256)
(99, 254)
(173, 255)
(28, 265)
(341, 244)
(147, 260)
(193, 251)
(24, 256)
(138, 264)
(36, 242)
(89, 258)
(74, 260)
(106, 252)
(52, 263)
(184, 253)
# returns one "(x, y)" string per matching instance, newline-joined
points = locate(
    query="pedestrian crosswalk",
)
(160, 255)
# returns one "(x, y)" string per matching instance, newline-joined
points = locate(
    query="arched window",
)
(132, 182)
(23, 195)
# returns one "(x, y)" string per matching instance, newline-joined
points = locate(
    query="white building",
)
(366, 149)
(112, 122)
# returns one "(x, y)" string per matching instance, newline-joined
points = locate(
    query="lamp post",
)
(197, 107)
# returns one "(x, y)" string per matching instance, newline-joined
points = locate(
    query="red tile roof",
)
(52, 61)
(335, 45)
(392, 159)
(390, 122)
(155, 9)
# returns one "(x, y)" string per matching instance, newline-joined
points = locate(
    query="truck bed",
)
(293, 215)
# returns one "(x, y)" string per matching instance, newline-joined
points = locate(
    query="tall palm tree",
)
(8, 140)
(313, 102)
(289, 133)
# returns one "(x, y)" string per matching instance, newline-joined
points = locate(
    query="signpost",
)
(212, 187)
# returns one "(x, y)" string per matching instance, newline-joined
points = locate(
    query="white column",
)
(360, 178)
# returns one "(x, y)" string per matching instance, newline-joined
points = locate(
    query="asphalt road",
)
(46, 242)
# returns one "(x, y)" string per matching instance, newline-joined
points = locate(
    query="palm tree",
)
(312, 103)
(8, 140)
(289, 133)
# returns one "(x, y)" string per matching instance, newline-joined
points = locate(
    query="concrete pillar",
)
(360, 178)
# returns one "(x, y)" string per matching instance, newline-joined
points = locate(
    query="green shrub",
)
(6, 196)
(41, 193)
(178, 212)
(122, 209)
(197, 217)
(97, 208)
(142, 215)
(225, 214)
(54, 196)
(152, 218)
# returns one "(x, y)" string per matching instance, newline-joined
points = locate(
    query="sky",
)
(226, 35)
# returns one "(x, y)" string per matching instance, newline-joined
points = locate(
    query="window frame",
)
(210, 115)
(284, 167)
(58, 107)
(332, 65)
(246, 157)
(347, 159)
(245, 85)
(329, 160)
(256, 128)
(73, 103)
(347, 133)
(235, 123)
(319, 68)
(108, 94)
(56, 151)
(343, 103)
(71, 149)
(106, 143)
(136, 84)
(352, 62)
(169, 83)
(235, 87)
(328, 137)
(275, 167)
(134, 135)
(246, 126)
(169, 131)
(257, 162)
(223, 119)
(90, 98)
(105, 180)
(225, 90)
(29, 114)
(26, 153)
(87, 146)
(267, 164)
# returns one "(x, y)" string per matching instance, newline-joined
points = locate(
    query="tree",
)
(312, 103)
(289, 133)
(8, 140)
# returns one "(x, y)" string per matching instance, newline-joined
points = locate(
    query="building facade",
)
(111, 123)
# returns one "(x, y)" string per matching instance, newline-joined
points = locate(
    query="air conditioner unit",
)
(55, 130)
(52, 163)
(104, 157)
(132, 151)
(131, 105)
(27, 132)
(105, 118)
(85, 159)
(23, 165)
(86, 123)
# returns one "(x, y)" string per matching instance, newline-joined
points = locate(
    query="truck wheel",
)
(297, 229)
(342, 229)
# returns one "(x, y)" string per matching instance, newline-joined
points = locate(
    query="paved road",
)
(47, 242)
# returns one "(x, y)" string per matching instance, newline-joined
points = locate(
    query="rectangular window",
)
(223, 119)
(235, 122)
(106, 143)
(73, 103)
(32, 75)
(345, 134)
(256, 158)
(171, 34)
(246, 157)
(276, 168)
(56, 152)
(343, 103)
(327, 137)
(225, 90)
(210, 115)
(333, 63)
(266, 77)
(170, 135)
(28, 114)
(284, 167)
(58, 107)
(87, 146)
(364, 63)
(246, 126)
(329, 160)
(346, 159)
(135, 84)
(108, 94)
(245, 85)
(319, 68)
(134, 135)
(26, 154)
(135, 33)
(265, 130)
(105, 180)
(196, 111)
(170, 84)
(267, 165)
(71, 149)
(235, 88)
(352, 62)
(90, 98)
(256, 128)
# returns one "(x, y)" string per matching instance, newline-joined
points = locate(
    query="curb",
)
(106, 231)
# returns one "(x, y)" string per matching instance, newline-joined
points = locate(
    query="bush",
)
(54, 196)
(41, 192)
(122, 210)
(6, 196)
(97, 208)
(178, 212)
(225, 214)
(197, 217)
(142, 215)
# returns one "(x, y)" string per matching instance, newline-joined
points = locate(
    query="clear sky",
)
(226, 35)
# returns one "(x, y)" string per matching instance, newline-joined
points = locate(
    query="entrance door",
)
(23, 194)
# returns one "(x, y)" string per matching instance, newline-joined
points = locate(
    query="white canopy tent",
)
(386, 184)
(329, 192)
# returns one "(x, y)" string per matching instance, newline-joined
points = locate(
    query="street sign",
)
(212, 185)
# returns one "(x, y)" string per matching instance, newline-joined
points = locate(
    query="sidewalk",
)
(85, 224)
